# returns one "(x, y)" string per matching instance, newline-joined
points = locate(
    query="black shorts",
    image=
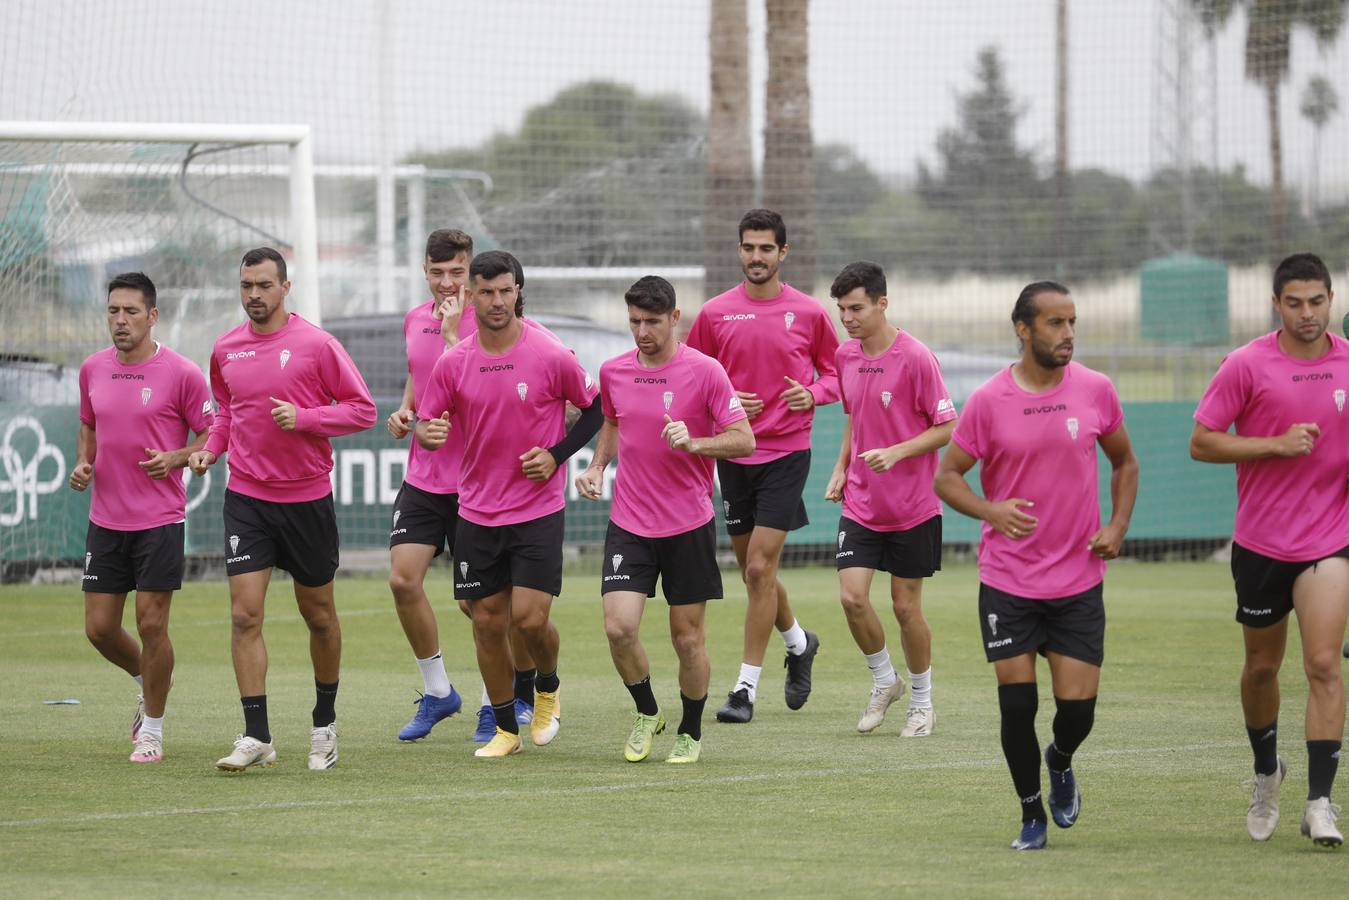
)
(767, 494)
(490, 558)
(912, 553)
(421, 517)
(686, 564)
(1265, 585)
(298, 537)
(1072, 626)
(116, 562)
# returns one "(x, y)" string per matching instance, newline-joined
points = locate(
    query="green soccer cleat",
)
(686, 750)
(644, 731)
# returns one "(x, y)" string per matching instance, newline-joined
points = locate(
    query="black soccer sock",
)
(692, 723)
(1323, 758)
(1072, 724)
(325, 702)
(547, 683)
(524, 685)
(255, 718)
(1265, 746)
(505, 716)
(643, 697)
(1018, 703)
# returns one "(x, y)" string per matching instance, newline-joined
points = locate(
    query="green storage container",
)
(1183, 300)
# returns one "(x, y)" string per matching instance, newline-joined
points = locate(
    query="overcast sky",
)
(884, 72)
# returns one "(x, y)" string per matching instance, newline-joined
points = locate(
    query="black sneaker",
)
(797, 687)
(737, 708)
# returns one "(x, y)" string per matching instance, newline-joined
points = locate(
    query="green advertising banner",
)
(42, 519)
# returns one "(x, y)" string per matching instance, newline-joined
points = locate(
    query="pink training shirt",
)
(505, 406)
(149, 405)
(761, 341)
(1041, 447)
(891, 398)
(436, 471)
(301, 364)
(660, 491)
(1294, 509)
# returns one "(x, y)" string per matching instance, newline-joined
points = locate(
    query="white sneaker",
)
(149, 748)
(1318, 823)
(1263, 815)
(138, 718)
(919, 722)
(881, 698)
(323, 747)
(248, 752)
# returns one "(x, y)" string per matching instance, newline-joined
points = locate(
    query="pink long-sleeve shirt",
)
(301, 364)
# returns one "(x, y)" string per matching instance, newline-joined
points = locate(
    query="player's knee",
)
(1261, 670)
(620, 632)
(532, 623)
(854, 603)
(908, 609)
(152, 627)
(245, 621)
(404, 587)
(1323, 668)
(760, 570)
(688, 643)
(100, 631)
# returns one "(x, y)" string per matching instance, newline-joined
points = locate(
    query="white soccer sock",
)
(151, 725)
(882, 670)
(795, 639)
(486, 700)
(436, 682)
(920, 690)
(140, 681)
(749, 679)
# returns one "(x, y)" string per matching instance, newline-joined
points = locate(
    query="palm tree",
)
(728, 187)
(789, 164)
(1320, 102)
(1269, 28)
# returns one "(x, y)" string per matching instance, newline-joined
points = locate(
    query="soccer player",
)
(668, 412)
(1285, 393)
(426, 510)
(506, 390)
(777, 345)
(283, 387)
(1034, 428)
(137, 398)
(899, 415)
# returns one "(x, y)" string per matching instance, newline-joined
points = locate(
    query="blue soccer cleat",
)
(1065, 800)
(524, 712)
(487, 725)
(430, 710)
(1034, 835)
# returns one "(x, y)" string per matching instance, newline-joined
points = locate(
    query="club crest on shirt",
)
(667, 399)
(1072, 428)
(789, 318)
(234, 543)
(1339, 400)
(522, 389)
(993, 624)
(285, 358)
(886, 397)
(617, 560)
(145, 396)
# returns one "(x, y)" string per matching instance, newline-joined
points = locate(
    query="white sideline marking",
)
(533, 792)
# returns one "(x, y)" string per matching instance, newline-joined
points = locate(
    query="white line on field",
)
(533, 792)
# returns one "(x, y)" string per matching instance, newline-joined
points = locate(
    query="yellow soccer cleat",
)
(686, 750)
(547, 717)
(503, 743)
(644, 731)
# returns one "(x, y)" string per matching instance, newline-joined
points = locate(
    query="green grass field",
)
(793, 804)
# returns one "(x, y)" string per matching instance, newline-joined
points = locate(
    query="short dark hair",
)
(1025, 309)
(136, 281)
(861, 274)
(444, 244)
(494, 264)
(1300, 267)
(764, 220)
(259, 255)
(652, 294)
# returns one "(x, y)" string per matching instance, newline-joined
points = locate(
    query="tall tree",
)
(1320, 102)
(728, 186)
(1269, 29)
(789, 169)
